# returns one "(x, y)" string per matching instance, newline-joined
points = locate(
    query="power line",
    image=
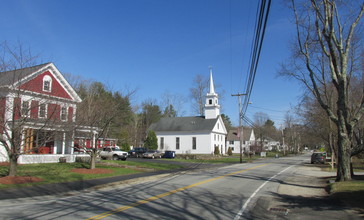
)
(256, 48)
(267, 109)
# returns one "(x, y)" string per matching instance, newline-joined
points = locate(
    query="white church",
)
(194, 135)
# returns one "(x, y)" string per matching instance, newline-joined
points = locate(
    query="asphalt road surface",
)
(228, 192)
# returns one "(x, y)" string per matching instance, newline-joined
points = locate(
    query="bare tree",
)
(328, 42)
(26, 125)
(102, 113)
(175, 100)
(260, 118)
(198, 93)
(318, 126)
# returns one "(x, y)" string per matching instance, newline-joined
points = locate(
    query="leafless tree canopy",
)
(325, 59)
(198, 93)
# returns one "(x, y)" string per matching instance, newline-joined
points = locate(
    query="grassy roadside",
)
(349, 192)
(61, 172)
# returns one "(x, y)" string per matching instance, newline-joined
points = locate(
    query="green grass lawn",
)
(349, 186)
(61, 172)
(350, 192)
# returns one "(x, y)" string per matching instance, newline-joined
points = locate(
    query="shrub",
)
(217, 151)
(230, 151)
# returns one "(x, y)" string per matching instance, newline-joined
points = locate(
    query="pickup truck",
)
(113, 153)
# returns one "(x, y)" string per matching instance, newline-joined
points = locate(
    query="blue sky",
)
(159, 46)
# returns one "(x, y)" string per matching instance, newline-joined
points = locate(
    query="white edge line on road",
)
(240, 213)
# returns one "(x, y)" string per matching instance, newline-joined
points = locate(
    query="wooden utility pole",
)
(240, 125)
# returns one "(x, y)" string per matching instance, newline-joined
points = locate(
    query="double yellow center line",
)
(153, 198)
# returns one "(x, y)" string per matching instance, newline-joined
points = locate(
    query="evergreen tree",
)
(169, 112)
(151, 142)
(227, 122)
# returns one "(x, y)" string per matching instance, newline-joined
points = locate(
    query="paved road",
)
(228, 192)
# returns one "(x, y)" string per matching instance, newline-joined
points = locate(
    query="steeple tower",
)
(212, 107)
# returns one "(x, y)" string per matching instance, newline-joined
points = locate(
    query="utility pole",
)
(240, 125)
(284, 147)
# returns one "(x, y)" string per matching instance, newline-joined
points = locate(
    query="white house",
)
(195, 135)
(270, 144)
(233, 140)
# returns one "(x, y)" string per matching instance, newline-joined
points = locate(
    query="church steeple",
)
(212, 107)
(212, 89)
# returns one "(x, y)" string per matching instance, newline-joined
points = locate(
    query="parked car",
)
(113, 153)
(137, 152)
(169, 154)
(153, 154)
(318, 157)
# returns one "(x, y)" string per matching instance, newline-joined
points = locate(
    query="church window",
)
(194, 145)
(210, 101)
(162, 143)
(177, 143)
(47, 83)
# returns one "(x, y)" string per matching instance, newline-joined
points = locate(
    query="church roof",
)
(186, 124)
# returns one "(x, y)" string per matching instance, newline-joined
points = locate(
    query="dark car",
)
(137, 152)
(318, 157)
(169, 154)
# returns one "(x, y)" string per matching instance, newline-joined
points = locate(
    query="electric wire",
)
(264, 8)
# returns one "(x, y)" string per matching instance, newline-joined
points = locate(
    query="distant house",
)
(233, 140)
(269, 144)
(41, 106)
(194, 135)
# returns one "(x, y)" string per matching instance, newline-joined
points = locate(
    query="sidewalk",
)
(303, 196)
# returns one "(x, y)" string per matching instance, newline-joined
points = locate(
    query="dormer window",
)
(47, 83)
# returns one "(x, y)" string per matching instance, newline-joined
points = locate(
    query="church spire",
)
(212, 107)
(212, 89)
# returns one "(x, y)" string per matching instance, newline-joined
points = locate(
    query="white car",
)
(113, 153)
